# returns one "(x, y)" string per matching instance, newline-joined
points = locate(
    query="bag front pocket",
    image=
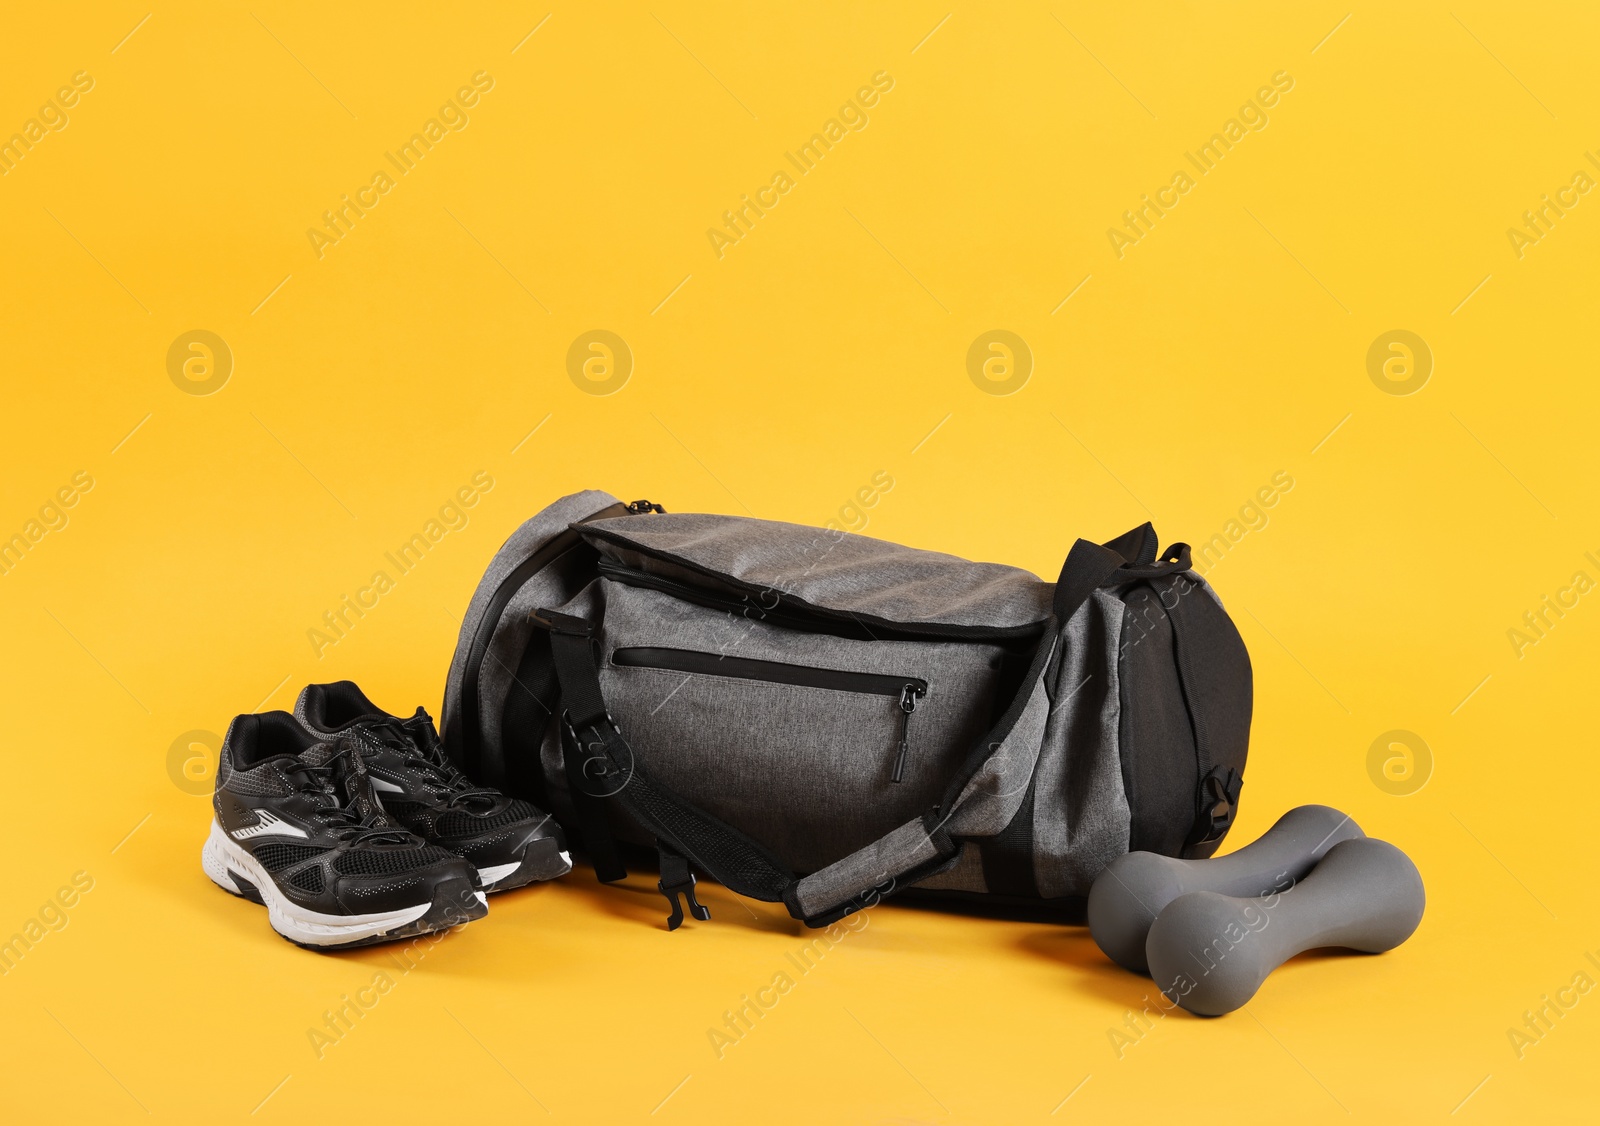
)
(792, 737)
(904, 690)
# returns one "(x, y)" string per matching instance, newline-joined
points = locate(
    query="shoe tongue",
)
(320, 754)
(352, 785)
(390, 732)
(383, 728)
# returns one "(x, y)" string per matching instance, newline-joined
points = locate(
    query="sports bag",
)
(821, 719)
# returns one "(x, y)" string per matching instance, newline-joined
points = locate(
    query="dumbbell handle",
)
(1277, 858)
(1210, 952)
(1131, 892)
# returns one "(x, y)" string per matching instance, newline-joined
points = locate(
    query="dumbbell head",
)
(1210, 953)
(1126, 898)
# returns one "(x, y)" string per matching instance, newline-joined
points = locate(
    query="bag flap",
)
(833, 573)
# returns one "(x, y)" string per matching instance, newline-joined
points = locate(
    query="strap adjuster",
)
(1217, 802)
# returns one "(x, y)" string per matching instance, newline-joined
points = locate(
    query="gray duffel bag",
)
(822, 719)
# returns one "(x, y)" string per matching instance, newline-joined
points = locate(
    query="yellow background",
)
(827, 346)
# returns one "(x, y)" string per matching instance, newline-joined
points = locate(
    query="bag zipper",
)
(765, 604)
(909, 695)
(906, 690)
(745, 607)
(774, 609)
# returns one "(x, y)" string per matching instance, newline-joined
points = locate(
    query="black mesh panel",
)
(460, 823)
(308, 879)
(387, 862)
(275, 856)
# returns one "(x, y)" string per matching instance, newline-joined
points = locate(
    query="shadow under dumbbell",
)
(1065, 940)
(1074, 950)
(1070, 911)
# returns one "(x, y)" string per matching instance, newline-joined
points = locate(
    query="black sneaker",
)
(509, 841)
(298, 831)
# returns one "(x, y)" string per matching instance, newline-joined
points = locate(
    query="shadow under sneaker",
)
(509, 841)
(298, 831)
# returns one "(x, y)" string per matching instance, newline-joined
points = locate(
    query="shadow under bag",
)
(823, 719)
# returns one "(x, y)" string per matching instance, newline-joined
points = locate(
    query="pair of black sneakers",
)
(351, 825)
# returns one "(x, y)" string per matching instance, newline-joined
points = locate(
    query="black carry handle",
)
(1128, 558)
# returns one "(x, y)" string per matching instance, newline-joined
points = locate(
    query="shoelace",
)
(345, 822)
(418, 740)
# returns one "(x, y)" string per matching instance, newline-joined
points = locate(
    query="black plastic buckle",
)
(590, 725)
(684, 887)
(640, 507)
(1218, 801)
(569, 625)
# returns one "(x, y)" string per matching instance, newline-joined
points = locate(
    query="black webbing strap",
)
(608, 771)
(1088, 567)
(598, 840)
(1137, 545)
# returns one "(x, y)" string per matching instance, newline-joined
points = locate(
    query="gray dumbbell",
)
(1210, 953)
(1130, 893)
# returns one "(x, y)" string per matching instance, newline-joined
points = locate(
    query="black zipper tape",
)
(763, 604)
(778, 672)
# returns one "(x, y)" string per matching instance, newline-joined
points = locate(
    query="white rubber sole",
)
(296, 923)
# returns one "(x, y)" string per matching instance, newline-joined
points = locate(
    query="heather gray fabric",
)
(1080, 811)
(805, 771)
(966, 874)
(868, 870)
(991, 798)
(551, 586)
(848, 573)
(1036, 762)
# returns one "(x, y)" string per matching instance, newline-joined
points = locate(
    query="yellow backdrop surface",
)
(1309, 287)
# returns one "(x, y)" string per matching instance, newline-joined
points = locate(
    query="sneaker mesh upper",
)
(460, 823)
(262, 781)
(411, 814)
(276, 855)
(386, 861)
(309, 879)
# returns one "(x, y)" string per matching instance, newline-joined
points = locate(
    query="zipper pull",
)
(639, 507)
(909, 695)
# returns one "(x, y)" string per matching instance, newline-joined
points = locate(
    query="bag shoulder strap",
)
(606, 768)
